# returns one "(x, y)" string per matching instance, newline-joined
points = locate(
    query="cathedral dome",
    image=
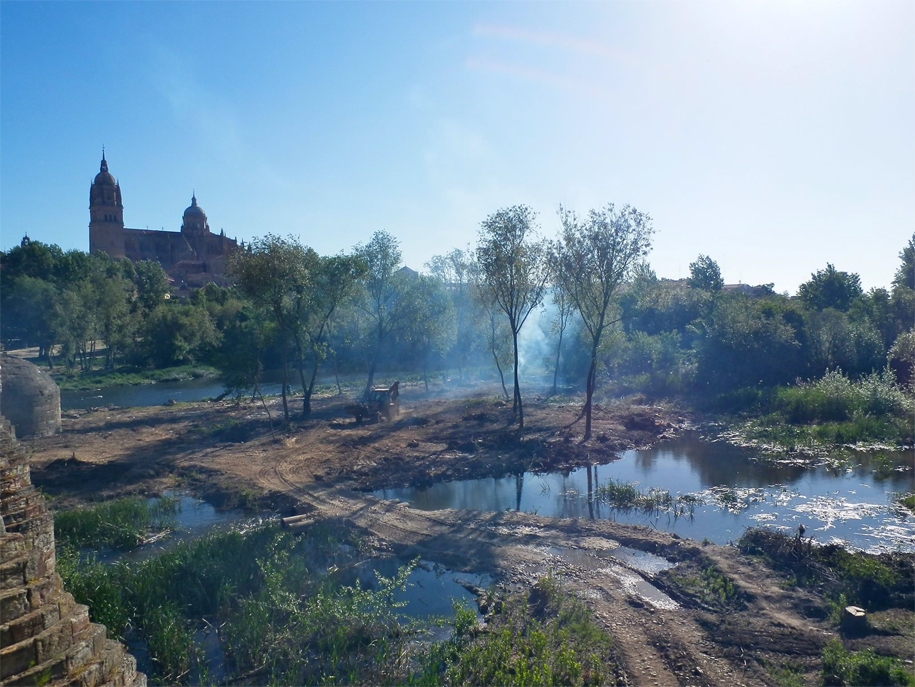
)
(104, 177)
(195, 210)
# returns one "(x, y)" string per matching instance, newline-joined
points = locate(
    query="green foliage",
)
(711, 586)
(174, 334)
(548, 638)
(857, 668)
(625, 496)
(705, 274)
(122, 524)
(830, 288)
(907, 501)
(871, 581)
(905, 275)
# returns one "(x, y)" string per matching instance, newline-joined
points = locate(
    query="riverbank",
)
(666, 626)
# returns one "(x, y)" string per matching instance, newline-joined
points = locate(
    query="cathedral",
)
(191, 257)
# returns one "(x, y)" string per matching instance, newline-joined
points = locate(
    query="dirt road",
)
(670, 630)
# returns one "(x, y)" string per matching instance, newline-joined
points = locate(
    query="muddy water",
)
(193, 519)
(732, 491)
(134, 395)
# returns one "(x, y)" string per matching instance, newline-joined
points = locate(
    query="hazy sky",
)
(774, 137)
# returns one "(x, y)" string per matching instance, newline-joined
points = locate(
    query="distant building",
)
(191, 257)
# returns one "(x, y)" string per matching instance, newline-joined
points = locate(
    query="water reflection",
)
(732, 490)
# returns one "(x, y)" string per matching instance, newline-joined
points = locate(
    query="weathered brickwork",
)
(45, 636)
(30, 399)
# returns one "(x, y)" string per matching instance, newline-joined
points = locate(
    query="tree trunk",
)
(306, 403)
(518, 406)
(589, 393)
(285, 384)
(556, 368)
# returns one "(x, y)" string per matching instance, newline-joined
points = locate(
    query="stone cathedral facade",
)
(191, 257)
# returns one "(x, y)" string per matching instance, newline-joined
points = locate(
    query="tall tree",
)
(514, 266)
(331, 280)
(565, 310)
(905, 275)
(456, 270)
(381, 300)
(705, 274)
(594, 257)
(830, 288)
(272, 272)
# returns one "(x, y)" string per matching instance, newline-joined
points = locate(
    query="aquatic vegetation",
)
(285, 614)
(841, 667)
(626, 496)
(710, 586)
(871, 581)
(546, 637)
(907, 501)
(122, 524)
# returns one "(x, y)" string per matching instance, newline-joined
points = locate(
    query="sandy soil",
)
(323, 466)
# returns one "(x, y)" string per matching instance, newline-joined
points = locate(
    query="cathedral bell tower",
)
(106, 214)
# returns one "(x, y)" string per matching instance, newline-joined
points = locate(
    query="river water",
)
(732, 490)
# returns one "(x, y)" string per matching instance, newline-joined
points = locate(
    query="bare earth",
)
(324, 465)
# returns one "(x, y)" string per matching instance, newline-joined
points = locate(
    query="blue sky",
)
(774, 137)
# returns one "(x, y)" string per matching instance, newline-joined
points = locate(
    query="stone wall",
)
(45, 636)
(29, 399)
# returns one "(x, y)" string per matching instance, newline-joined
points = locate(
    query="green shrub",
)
(122, 524)
(859, 668)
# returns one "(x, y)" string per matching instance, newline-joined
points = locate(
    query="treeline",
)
(601, 311)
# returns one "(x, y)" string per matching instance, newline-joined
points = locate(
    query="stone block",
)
(41, 674)
(12, 546)
(53, 641)
(28, 625)
(13, 573)
(17, 658)
(13, 604)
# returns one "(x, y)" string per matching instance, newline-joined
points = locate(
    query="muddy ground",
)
(323, 466)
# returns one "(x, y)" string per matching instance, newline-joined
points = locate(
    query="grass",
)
(122, 524)
(835, 410)
(97, 379)
(907, 501)
(626, 496)
(711, 587)
(874, 582)
(289, 612)
(285, 616)
(855, 668)
(546, 637)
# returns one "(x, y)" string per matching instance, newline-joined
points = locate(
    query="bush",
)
(835, 398)
(858, 668)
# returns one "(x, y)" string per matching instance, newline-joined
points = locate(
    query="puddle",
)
(618, 563)
(718, 491)
(641, 560)
(193, 519)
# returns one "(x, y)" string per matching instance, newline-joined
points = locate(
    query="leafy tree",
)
(514, 267)
(705, 274)
(331, 281)
(594, 257)
(830, 288)
(430, 329)
(747, 342)
(272, 272)
(905, 275)
(175, 334)
(563, 314)
(33, 311)
(383, 286)
(456, 271)
(151, 284)
(902, 358)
